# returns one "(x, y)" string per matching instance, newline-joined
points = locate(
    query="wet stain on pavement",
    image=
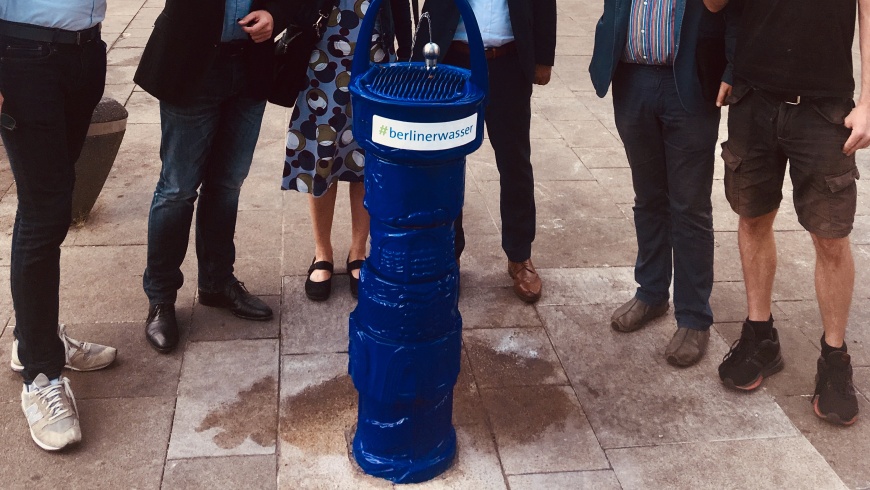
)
(508, 365)
(311, 416)
(523, 415)
(252, 415)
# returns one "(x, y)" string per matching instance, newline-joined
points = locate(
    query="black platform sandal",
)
(319, 291)
(354, 282)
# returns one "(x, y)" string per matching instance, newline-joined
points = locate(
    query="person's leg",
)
(636, 107)
(226, 167)
(359, 225)
(825, 197)
(754, 170)
(187, 134)
(690, 144)
(758, 258)
(322, 210)
(508, 119)
(835, 281)
(46, 113)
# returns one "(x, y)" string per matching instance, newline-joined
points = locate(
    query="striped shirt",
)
(651, 33)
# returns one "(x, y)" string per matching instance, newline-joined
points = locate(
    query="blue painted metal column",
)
(416, 124)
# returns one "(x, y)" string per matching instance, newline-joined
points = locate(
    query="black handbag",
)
(293, 53)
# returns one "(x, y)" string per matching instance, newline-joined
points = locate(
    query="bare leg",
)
(835, 280)
(758, 257)
(359, 224)
(322, 211)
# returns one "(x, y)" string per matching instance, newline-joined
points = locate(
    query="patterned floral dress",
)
(320, 144)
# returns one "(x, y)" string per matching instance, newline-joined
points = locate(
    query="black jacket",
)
(184, 44)
(533, 23)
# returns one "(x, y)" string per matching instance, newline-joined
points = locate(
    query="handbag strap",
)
(323, 16)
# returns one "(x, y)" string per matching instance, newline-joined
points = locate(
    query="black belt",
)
(29, 32)
(489, 53)
(792, 99)
(785, 98)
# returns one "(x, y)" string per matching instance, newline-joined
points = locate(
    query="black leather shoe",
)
(354, 281)
(238, 300)
(161, 328)
(319, 291)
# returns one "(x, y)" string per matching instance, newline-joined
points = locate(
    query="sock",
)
(827, 349)
(763, 330)
(28, 387)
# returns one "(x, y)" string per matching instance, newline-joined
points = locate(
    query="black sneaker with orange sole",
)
(835, 399)
(750, 360)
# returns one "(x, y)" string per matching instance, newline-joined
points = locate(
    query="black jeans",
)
(49, 91)
(671, 154)
(508, 123)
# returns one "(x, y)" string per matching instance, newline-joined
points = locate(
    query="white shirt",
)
(70, 15)
(494, 20)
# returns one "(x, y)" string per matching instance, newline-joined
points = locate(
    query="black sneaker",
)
(750, 360)
(835, 399)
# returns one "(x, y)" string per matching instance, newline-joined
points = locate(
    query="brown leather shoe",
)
(687, 347)
(527, 283)
(635, 314)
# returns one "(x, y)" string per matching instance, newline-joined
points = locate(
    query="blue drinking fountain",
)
(417, 122)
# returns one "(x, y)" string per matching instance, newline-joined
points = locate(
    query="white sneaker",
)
(80, 356)
(51, 413)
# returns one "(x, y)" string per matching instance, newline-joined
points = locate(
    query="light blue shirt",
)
(494, 20)
(235, 10)
(70, 15)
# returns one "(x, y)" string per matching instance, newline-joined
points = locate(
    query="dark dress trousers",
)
(508, 114)
(667, 120)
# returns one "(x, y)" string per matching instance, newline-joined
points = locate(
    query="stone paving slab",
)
(587, 480)
(10, 381)
(137, 371)
(761, 463)
(494, 308)
(104, 284)
(634, 398)
(606, 285)
(584, 242)
(209, 323)
(467, 403)
(839, 445)
(315, 326)
(805, 316)
(476, 466)
(503, 357)
(119, 217)
(318, 410)
(227, 396)
(542, 429)
(123, 446)
(249, 472)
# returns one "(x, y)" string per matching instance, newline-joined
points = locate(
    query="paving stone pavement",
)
(549, 397)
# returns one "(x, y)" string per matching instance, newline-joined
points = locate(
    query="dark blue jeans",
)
(671, 154)
(50, 91)
(207, 146)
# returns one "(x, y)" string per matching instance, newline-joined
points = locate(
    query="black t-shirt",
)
(797, 47)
